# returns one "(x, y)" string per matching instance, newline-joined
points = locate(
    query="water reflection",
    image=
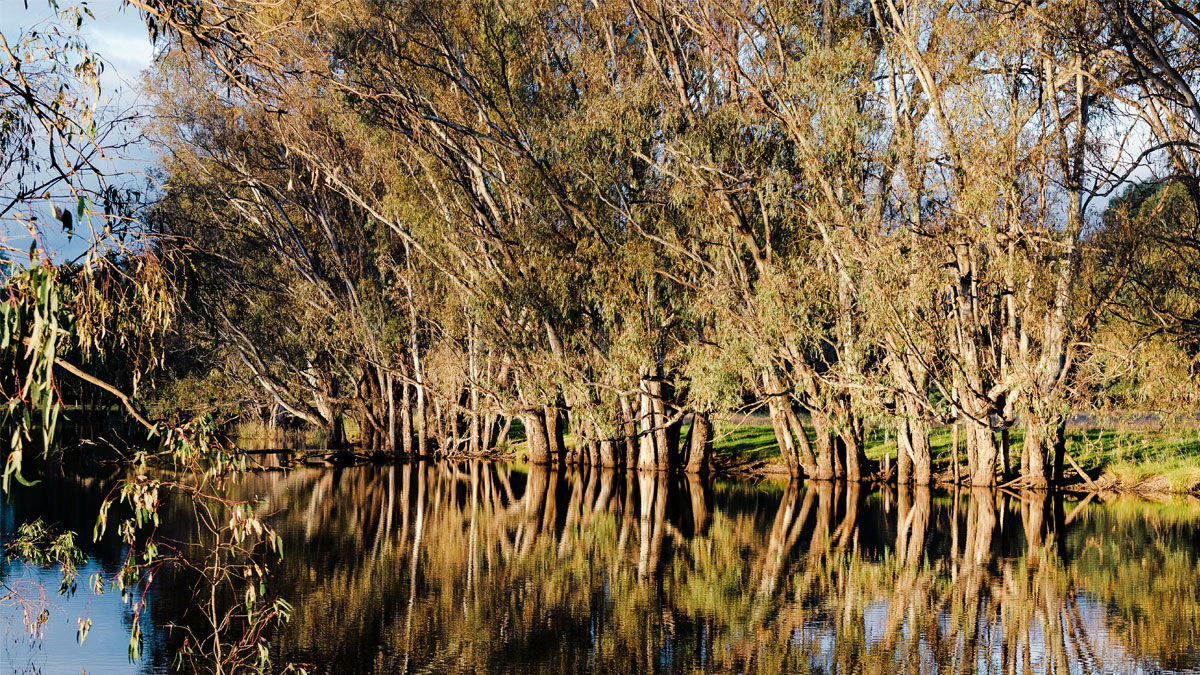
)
(482, 567)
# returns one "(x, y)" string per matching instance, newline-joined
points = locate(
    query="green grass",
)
(1166, 459)
(754, 441)
(745, 443)
(1136, 456)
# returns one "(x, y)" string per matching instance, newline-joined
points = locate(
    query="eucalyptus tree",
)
(1159, 46)
(771, 129)
(609, 216)
(287, 273)
(71, 317)
(470, 157)
(1001, 163)
(1145, 261)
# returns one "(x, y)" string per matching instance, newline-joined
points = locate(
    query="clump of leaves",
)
(37, 543)
(35, 326)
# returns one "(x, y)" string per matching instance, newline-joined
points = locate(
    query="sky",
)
(120, 39)
(118, 36)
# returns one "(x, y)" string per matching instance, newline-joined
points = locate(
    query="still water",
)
(490, 568)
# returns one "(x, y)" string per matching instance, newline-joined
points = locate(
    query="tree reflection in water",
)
(484, 567)
(475, 566)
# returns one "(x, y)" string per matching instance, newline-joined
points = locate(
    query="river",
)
(492, 568)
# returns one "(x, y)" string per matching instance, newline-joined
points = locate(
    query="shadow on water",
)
(484, 567)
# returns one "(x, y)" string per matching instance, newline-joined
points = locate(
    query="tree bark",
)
(904, 454)
(699, 445)
(536, 438)
(983, 472)
(659, 442)
(783, 435)
(826, 469)
(922, 459)
(406, 421)
(850, 442)
(556, 446)
(608, 454)
(628, 445)
(391, 413)
(1033, 453)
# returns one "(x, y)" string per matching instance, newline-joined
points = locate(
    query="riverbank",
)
(1135, 458)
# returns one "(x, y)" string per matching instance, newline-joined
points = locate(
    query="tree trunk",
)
(628, 444)
(904, 453)
(666, 436)
(826, 470)
(422, 412)
(1033, 453)
(336, 431)
(580, 431)
(487, 432)
(647, 456)
(849, 448)
(659, 441)
(608, 455)
(699, 445)
(800, 435)
(391, 413)
(406, 421)
(502, 435)
(921, 458)
(1005, 449)
(850, 441)
(1060, 449)
(783, 436)
(475, 443)
(983, 471)
(954, 451)
(556, 446)
(536, 438)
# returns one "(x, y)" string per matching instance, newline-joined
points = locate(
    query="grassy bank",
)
(1132, 458)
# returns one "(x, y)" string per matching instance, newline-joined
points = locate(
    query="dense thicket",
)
(623, 220)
